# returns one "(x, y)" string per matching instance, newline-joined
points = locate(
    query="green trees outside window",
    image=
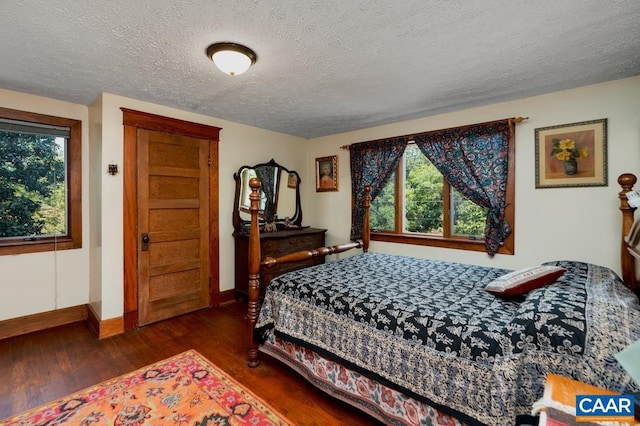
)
(424, 196)
(32, 185)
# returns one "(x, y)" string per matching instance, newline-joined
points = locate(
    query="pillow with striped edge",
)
(522, 281)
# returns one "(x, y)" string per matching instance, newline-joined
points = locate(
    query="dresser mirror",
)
(279, 197)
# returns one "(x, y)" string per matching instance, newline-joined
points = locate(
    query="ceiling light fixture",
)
(231, 58)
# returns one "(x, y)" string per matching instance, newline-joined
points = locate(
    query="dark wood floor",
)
(39, 367)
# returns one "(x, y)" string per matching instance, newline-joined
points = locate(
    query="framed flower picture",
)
(572, 155)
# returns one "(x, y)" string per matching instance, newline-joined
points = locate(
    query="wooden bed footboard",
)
(301, 256)
(256, 262)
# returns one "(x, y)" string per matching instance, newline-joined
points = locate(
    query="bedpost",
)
(626, 181)
(366, 228)
(254, 272)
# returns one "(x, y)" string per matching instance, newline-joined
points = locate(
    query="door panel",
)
(173, 211)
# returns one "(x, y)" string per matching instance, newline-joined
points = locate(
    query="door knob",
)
(145, 242)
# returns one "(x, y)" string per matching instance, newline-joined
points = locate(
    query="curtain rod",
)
(413, 135)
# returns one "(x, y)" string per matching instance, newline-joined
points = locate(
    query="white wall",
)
(40, 282)
(554, 223)
(95, 205)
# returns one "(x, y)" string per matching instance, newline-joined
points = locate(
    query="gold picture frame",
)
(572, 155)
(327, 173)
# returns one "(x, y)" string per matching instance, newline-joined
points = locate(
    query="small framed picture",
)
(292, 180)
(327, 173)
(572, 155)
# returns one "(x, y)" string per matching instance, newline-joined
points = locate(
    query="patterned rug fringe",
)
(185, 389)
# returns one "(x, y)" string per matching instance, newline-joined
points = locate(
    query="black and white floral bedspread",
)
(428, 327)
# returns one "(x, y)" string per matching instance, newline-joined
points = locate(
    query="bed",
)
(419, 341)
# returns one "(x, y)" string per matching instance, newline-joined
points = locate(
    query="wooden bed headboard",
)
(627, 257)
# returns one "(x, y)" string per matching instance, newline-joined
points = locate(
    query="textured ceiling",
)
(324, 66)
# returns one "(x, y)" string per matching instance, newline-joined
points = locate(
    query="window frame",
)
(73, 152)
(453, 242)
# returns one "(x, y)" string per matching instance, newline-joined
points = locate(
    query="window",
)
(418, 206)
(40, 182)
(423, 196)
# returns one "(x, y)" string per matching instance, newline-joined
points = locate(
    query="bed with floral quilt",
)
(419, 341)
(429, 329)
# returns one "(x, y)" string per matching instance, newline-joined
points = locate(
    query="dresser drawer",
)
(281, 246)
(276, 244)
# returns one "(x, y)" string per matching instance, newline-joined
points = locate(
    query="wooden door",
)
(173, 225)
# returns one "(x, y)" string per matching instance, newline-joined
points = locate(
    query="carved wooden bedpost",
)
(366, 227)
(254, 272)
(256, 262)
(626, 181)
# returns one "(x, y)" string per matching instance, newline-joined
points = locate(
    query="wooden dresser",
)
(275, 244)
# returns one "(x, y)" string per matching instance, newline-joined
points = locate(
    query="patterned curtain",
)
(266, 175)
(372, 163)
(474, 159)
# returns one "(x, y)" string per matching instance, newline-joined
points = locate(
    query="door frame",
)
(132, 121)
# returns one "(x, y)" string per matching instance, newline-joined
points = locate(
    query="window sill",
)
(436, 241)
(19, 246)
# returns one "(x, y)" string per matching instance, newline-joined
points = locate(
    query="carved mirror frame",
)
(283, 179)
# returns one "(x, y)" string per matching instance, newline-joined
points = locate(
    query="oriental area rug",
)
(182, 390)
